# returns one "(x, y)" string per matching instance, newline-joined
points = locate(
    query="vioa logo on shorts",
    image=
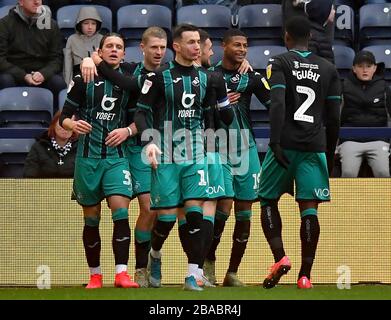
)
(214, 190)
(322, 193)
(107, 104)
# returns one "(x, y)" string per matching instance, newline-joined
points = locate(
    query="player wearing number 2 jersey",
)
(304, 124)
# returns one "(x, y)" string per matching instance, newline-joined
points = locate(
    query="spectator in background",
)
(83, 42)
(367, 99)
(53, 155)
(321, 15)
(30, 48)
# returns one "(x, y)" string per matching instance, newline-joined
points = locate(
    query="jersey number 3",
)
(300, 113)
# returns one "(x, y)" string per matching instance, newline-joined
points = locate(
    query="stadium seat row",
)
(261, 22)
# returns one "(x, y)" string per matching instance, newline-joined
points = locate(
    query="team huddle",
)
(178, 136)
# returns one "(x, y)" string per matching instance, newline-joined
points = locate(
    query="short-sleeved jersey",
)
(247, 84)
(178, 96)
(309, 81)
(104, 106)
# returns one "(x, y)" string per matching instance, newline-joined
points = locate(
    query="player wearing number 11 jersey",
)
(304, 123)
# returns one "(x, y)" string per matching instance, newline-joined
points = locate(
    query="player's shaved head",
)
(299, 29)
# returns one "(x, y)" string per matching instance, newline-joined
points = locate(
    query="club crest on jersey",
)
(235, 78)
(108, 103)
(269, 71)
(196, 82)
(146, 86)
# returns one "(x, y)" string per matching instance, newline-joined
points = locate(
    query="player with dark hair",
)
(153, 45)
(177, 98)
(304, 124)
(101, 169)
(241, 164)
(215, 176)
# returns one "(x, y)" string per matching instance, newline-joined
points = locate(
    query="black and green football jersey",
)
(137, 70)
(178, 96)
(304, 83)
(246, 84)
(104, 106)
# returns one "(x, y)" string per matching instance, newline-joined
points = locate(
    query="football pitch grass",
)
(282, 292)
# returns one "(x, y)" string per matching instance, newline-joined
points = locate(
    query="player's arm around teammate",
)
(101, 171)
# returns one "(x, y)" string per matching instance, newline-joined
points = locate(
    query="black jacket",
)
(321, 36)
(43, 160)
(25, 48)
(365, 103)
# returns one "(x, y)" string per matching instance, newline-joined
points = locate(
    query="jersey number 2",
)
(299, 114)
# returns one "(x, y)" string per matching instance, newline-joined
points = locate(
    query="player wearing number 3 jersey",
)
(304, 123)
(101, 169)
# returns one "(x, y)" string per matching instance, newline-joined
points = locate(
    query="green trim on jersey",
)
(282, 86)
(304, 54)
(104, 106)
(334, 98)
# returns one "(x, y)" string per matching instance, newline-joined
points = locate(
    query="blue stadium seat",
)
(344, 25)
(258, 56)
(134, 54)
(343, 57)
(4, 10)
(8, 3)
(382, 53)
(259, 113)
(262, 23)
(67, 15)
(132, 21)
(376, 1)
(262, 144)
(375, 24)
(61, 98)
(13, 153)
(115, 5)
(214, 19)
(260, 118)
(25, 107)
(349, 3)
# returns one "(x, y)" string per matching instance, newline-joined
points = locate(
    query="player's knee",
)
(92, 221)
(268, 203)
(221, 215)
(142, 236)
(194, 217)
(242, 231)
(244, 215)
(164, 224)
(120, 214)
(309, 212)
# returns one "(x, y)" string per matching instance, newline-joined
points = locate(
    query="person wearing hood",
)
(83, 42)
(367, 99)
(31, 48)
(53, 154)
(321, 14)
